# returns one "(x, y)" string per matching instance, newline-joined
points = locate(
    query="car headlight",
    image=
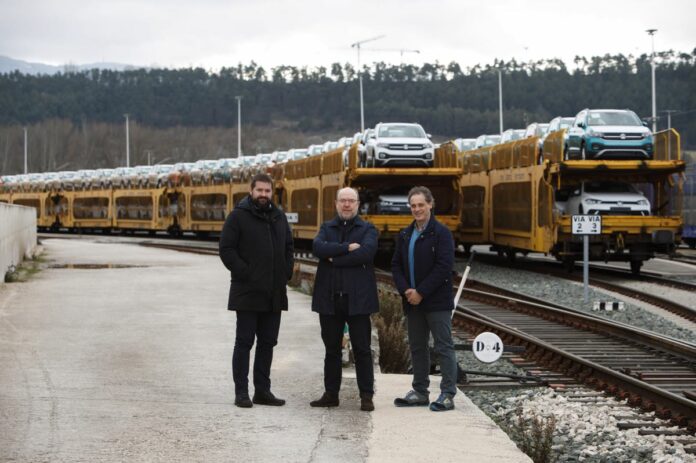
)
(644, 202)
(428, 145)
(592, 201)
(387, 203)
(593, 132)
(382, 145)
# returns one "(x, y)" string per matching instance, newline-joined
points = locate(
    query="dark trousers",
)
(420, 325)
(264, 327)
(360, 330)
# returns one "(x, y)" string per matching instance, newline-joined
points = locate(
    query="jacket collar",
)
(428, 228)
(337, 221)
(246, 203)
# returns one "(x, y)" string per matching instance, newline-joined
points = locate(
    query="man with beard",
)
(345, 291)
(256, 247)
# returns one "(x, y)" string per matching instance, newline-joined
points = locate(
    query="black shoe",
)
(267, 398)
(242, 400)
(366, 403)
(327, 400)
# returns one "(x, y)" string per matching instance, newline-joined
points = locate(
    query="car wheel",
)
(580, 210)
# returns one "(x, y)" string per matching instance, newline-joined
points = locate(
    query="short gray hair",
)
(421, 190)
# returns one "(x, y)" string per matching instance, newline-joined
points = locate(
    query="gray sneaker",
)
(443, 403)
(412, 399)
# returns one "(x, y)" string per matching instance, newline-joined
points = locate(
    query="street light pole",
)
(356, 45)
(500, 99)
(239, 126)
(127, 141)
(26, 165)
(651, 33)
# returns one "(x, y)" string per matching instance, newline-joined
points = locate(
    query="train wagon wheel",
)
(635, 266)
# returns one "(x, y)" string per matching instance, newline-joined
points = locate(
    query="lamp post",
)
(239, 125)
(26, 165)
(127, 142)
(651, 33)
(500, 99)
(356, 45)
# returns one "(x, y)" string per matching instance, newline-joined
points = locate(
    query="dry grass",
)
(534, 436)
(394, 354)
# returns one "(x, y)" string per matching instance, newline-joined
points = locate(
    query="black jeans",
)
(264, 327)
(360, 330)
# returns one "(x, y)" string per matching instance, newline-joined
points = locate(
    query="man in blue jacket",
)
(345, 291)
(422, 272)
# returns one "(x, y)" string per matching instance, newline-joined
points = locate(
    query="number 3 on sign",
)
(587, 224)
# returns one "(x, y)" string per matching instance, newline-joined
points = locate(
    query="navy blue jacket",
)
(434, 258)
(357, 274)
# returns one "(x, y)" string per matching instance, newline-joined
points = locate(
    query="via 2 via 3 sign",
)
(487, 347)
(587, 224)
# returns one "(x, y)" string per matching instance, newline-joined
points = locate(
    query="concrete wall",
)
(17, 235)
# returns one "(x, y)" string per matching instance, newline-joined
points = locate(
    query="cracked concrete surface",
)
(133, 364)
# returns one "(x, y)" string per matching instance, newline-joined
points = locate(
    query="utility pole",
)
(26, 164)
(651, 33)
(127, 142)
(356, 45)
(239, 126)
(500, 99)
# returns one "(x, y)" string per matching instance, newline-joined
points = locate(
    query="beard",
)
(261, 202)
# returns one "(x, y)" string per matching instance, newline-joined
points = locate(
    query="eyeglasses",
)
(347, 201)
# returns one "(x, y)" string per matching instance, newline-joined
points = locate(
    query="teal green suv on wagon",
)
(609, 134)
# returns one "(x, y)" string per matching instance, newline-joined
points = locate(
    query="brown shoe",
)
(366, 403)
(327, 400)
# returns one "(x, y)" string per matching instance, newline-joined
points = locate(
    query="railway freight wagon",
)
(689, 215)
(518, 199)
(308, 188)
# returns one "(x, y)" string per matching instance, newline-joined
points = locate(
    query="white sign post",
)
(586, 225)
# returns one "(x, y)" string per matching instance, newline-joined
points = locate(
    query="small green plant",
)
(394, 353)
(11, 275)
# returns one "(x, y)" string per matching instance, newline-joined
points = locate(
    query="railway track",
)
(653, 372)
(610, 280)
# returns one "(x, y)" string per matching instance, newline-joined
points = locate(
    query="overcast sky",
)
(215, 33)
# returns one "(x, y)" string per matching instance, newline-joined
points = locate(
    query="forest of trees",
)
(184, 114)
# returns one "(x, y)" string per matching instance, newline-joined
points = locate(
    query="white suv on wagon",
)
(399, 144)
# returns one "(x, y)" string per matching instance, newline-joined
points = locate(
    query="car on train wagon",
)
(399, 144)
(512, 135)
(465, 144)
(484, 141)
(609, 134)
(607, 198)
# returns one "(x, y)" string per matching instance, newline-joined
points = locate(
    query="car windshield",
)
(401, 131)
(612, 118)
(491, 140)
(607, 187)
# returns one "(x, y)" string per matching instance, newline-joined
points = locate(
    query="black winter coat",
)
(357, 273)
(257, 250)
(434, 259)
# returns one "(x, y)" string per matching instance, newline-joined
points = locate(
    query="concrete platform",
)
(101, 361)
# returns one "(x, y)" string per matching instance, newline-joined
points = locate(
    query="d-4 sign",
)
(587, 224)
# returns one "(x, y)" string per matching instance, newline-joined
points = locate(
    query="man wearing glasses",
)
(345, 291)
